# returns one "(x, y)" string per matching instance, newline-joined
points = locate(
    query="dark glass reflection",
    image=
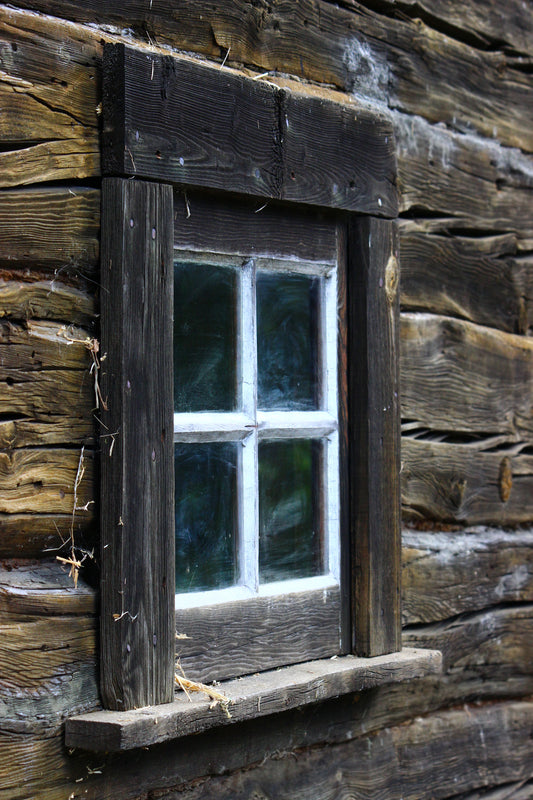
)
(204, 338)
(290, 530)
(206, 482)
(287, 330)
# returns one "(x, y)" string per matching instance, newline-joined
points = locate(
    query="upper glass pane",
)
(287, 342)
(206, 516)
(290, 509)
(205, 332)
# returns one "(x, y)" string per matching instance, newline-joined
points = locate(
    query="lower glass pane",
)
(206, 517)
(290, 509)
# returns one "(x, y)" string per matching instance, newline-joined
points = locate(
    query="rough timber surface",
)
(248, 698)
(355, 50)
(174, 119)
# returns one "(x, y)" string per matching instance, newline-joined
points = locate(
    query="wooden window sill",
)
(249, 697)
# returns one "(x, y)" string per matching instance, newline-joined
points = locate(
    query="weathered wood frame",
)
(176, 122)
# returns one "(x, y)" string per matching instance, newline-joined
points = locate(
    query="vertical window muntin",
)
(250, 425)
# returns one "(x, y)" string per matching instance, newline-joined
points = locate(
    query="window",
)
(257, 450)
(277, 204)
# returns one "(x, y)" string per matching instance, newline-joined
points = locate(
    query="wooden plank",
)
(465, 378)
(508, 28)
(49, 88)
(248, 698)
(446, 574)
(357, 50)
(240, 638)
(465, 277)
(174, 120)
(461, 483)
(137, 486)
(53, 229)
(374, 434)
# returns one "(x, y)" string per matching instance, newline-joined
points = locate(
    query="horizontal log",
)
(457, 376)
(44, 535)
(25, 295)
(46, 590)
(42, 481)
(473, 278)
(355, 49)
(446, 574)
(438, 756)
(451, 174)
(49, 89)
(47, 392)
(507, 27)
(461, 483)
(52, 229)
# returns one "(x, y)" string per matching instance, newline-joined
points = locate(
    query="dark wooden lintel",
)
(176, 120)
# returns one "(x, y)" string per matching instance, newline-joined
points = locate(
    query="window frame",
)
(253, 139)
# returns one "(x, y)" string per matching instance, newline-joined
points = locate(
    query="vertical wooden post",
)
(137, 481)
(374, 438)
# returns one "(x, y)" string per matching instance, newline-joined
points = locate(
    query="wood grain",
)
(461, 483)
(373, 350)
(257, 634)
(42, 480)
(249, 698)
(26, 296)
(473, 278)
(52, 229)
(447, 574)
(41, 535)
(174, 119)
(137, 486)
(356, 50)
(461, 377)
(49, 89)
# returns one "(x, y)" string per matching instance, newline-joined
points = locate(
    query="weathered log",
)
(472, 278)
(356, 49)
(461, 377)
(52, 229)
(446, 574)
(49, 90)
(44, 535)
(25, 295)
(450, 174)
(43, 481)
(461, 483)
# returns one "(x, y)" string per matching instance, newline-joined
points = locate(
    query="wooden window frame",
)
(174, 123)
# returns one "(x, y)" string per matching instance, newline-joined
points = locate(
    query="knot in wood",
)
(391, 279)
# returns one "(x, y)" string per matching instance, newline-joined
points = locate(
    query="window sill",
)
(250, 697)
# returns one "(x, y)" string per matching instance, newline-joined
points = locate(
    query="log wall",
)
(456, 79)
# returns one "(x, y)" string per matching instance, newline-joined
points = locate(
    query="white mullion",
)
(211, 426)
(248, 547)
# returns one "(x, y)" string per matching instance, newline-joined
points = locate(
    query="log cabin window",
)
(249, 473)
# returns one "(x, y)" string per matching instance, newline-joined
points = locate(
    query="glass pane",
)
(290, 529)
(205, 359)
(287, 328)
(206, 517)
